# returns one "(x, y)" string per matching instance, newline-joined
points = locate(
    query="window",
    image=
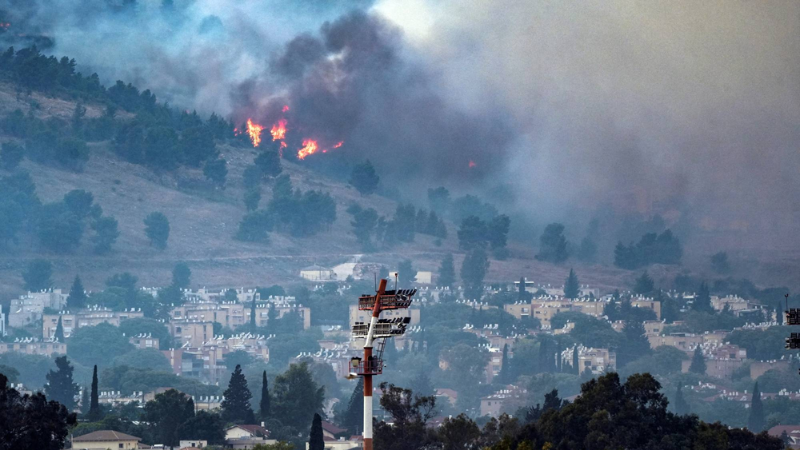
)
(121, 446)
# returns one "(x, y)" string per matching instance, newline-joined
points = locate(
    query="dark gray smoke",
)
(567, 109)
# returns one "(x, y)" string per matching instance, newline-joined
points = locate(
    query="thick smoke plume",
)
(686, 109)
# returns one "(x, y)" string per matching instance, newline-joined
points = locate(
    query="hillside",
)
(203, 221)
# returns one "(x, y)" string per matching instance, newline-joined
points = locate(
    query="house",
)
(29, 308)
(508, 399)
(318, 273)
(330, 430)
(193, 443)
(105, 439)
(792, 432)
(449, 395)
(32, 346)
(95, 315)
(424, 277)
(246, 432)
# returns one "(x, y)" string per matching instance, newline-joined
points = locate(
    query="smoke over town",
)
(683, 111)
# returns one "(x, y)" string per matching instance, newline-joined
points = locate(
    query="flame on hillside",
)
(278, 130)
(254, 130)
(309, 148)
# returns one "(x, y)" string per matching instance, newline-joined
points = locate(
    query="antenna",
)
(375, 276)
(395, 281)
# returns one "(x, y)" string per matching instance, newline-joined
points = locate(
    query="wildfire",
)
(285, 108)
(254, 130)
(278, 130)
(309, 148)
(339, 144)
(472, 164)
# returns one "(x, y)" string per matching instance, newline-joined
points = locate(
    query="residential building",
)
(144, 341)
(734, 303)
(681, 341)
(647, 303)
(105, 439)
(793, 431)
(721, 360)
(193, 443)
(116, 398)
(2, 323)
(758, 368)
(318, 273)
(33, 346)
(95, 315)
(507, 399)
(246, 436)
(29, 308)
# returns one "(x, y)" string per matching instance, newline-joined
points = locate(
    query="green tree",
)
(60, 386)
(207, 426)
(572, 287)
(269, 163)
(166, 414)
(72, 153)
(106, 234)
(97, 345)
(553, 244)
(576, 366)
(251, 198)
(161, 148)
(37, 275)
(473, 270)
(353, 416)
(504, 376)
(755, 421)
(634, 344)
(296, 396)
(77, 294)
(680, 405)
(264, 403)
(644, 284)
(157, 229)
(58, 229)
(406, 272)
(458, 433)
(144, 357)
(316, 439)
(364, 225)
(698, 362)
(720, 263)
(439, 199)
(702, 301)
(236, 406)
(472, 233)
(181, 275)
(364, 178)
(59, 331)
(251, 177)
(197, 145)
(216, 171)
(447, 273)
(31, 422)
(85, 401)
(11, 155)
(79, 203)
(95, 413)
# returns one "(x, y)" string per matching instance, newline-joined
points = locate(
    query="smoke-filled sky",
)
(652, 106)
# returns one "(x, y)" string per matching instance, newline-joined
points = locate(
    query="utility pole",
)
(380, 329)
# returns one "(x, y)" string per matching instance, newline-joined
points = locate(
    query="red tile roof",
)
(106, 435)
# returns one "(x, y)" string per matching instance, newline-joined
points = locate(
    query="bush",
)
(157, 229)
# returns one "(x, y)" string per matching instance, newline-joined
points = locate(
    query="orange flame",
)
(285, 108)
(254, 130)
(309, 148)
(339, 144)
(278, 130)
(472, 164)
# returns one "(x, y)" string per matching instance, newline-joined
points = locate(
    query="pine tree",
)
(635, 343)
(447, 272)
(59, 331)
(503, 376)
(236, 406)
(316, 440)
(572, 287)
(681, 408)
(755, 422)
(77, 295)
(354, 415)
(95, 413)
(644, 284)
(698, 362)
(263, 406)
(702, 301)
(60, 386)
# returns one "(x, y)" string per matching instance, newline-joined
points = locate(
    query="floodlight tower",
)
(380, 329)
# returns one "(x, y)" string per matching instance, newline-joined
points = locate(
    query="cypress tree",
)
(85, 401)
(504, 375)
(60, 386)
(95, 413)
(522, 295)
(575, 360)
(572, 287)
(263, 406)
(354, 415)
(681, 407)
(755, 422)
(698, 362)
(59, 331)
(253, 316)
(447, 272)
(236, 406)
(702, 301)
(316, 440)
(77, 295)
